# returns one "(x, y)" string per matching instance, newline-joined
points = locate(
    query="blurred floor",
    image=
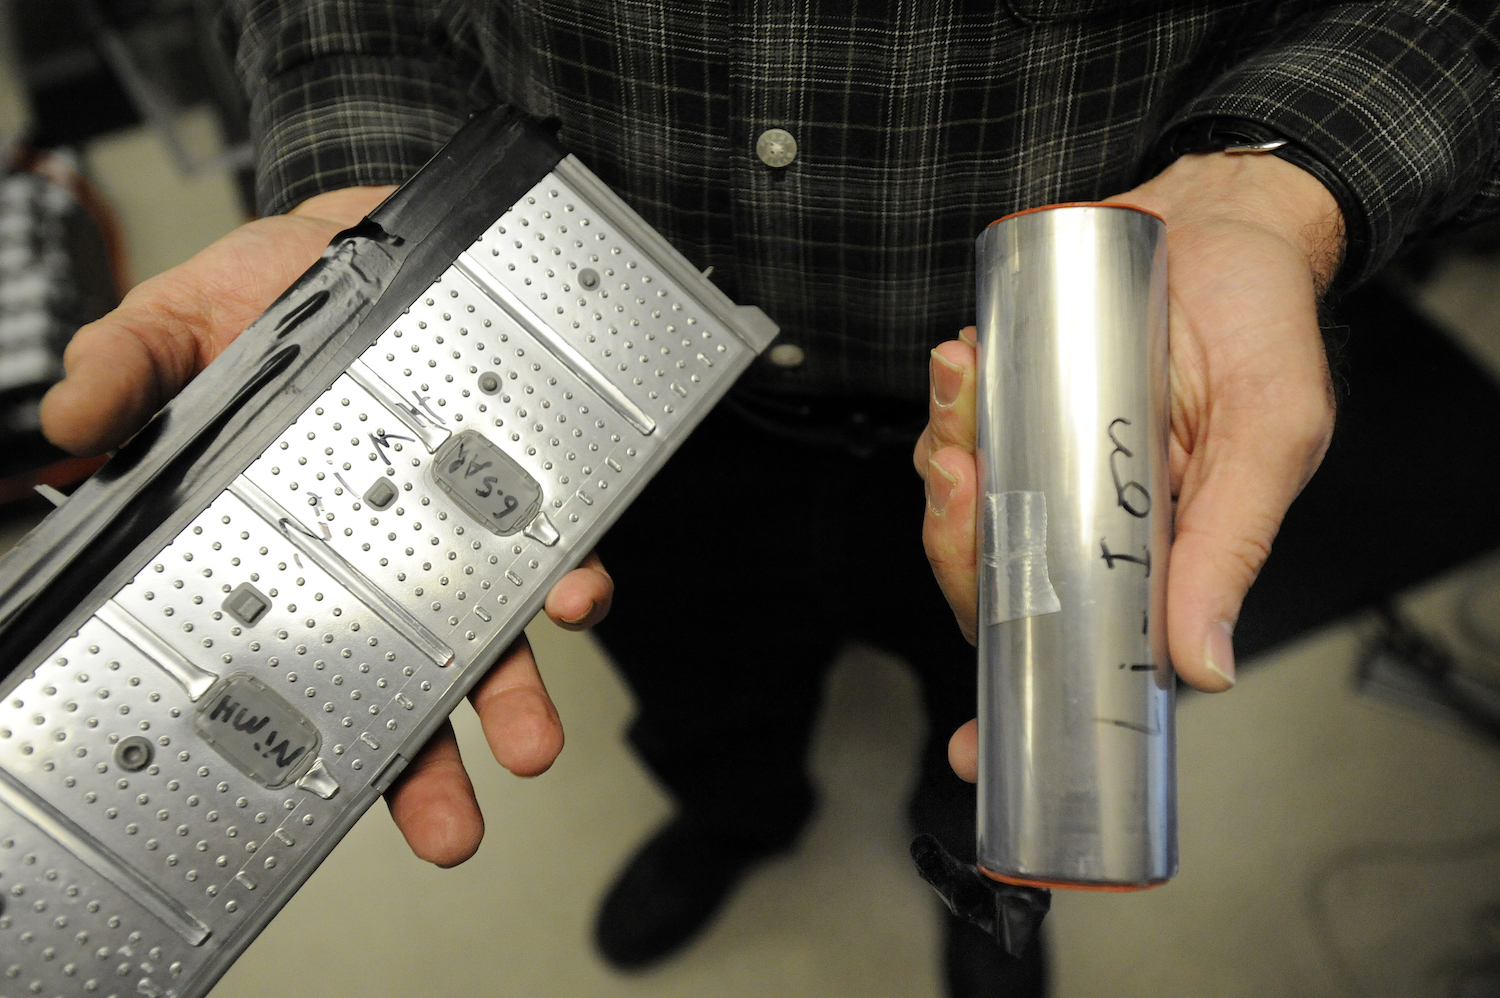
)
(1331, 843)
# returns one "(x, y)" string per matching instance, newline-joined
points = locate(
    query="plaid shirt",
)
(916, 125)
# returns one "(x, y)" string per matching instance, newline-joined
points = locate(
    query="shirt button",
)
(776, 147)
(787, 355)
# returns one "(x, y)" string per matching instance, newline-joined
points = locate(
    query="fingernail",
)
(581, 617)
(1218, 651)
(947, 380)
(940, 484)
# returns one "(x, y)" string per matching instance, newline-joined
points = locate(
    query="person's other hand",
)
(124, 367)
(1251, 241)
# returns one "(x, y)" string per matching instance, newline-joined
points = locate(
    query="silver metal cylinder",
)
(1077, 766)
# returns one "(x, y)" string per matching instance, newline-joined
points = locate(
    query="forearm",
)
(348, 93)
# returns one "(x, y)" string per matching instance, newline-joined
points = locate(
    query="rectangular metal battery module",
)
(1077, 765)
(226, 644)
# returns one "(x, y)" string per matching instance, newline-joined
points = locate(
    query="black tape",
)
(1009, 912)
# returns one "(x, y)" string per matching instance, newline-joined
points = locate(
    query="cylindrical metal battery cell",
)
(1077, 768)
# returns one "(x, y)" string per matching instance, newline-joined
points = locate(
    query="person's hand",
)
(1251, 241)
(124, 367)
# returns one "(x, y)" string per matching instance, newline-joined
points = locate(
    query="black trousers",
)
(739, 573)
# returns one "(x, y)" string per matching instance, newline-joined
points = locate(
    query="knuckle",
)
(920, 452)
(1306, 434)
(514, 703)
(948, 555)
(939, 554)
(1245, 553)
(1311, 423)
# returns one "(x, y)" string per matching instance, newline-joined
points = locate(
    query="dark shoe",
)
(668, 892)
(978, 967)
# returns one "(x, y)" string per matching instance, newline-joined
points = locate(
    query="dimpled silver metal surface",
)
(149, 879)
(64, 932)
(62, 725)
(423, 549)
(638, 325)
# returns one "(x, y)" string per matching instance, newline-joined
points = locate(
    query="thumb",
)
(122, 368)
(1230, 508)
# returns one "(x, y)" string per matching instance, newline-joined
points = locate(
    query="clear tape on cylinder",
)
(1014, 557)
